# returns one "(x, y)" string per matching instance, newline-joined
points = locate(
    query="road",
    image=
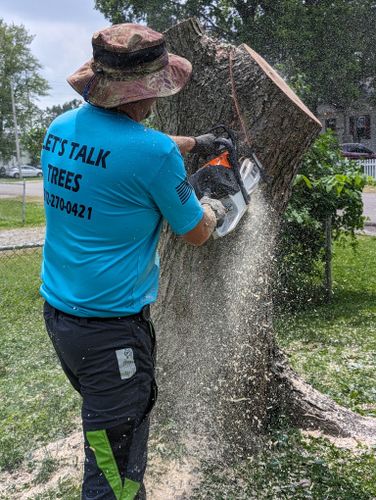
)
(369, 203)
(34, 189)
(369, 210)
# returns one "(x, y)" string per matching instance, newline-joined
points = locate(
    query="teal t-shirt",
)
(108, 183)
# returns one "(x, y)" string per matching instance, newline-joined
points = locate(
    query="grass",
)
(66, 490)
(38, 405)
(293, 467)
(48, 466)
(11, 213)
(334, 345)
(10, 180)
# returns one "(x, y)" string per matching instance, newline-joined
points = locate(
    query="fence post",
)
(328, 258)
(23, 202)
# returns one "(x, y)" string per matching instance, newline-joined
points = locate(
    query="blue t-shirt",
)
(108, 183)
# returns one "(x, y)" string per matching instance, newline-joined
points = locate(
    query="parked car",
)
(27, 171)
(357, 151)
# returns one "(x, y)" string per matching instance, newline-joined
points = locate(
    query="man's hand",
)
(214, 213)
(202, 145)
(205, 145)
(204, 229)
(217, 207)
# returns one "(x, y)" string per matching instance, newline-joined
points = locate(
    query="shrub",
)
(327, 185)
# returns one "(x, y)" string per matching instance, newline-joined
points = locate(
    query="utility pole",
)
(18, 153)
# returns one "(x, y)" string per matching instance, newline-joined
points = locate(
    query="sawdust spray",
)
(214, 379)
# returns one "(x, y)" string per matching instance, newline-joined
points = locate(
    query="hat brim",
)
(109, 93)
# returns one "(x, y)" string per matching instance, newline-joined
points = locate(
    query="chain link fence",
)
(19, 265)
(13, 202)
(21, 228)
(17, 243)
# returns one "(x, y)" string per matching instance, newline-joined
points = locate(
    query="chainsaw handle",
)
(228, 146)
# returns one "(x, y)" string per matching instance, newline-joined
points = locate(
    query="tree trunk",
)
(280, 126)
(219, 366)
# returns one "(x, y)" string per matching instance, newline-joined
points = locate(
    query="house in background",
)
(357, 123)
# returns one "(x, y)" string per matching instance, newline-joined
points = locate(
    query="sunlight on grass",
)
(334, 345)
(11, 213)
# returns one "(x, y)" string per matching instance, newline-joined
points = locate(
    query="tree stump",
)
(220, 369)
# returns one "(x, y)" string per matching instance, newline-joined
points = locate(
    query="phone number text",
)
(75, 209)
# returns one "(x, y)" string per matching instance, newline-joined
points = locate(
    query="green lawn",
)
(37, 404)
(293, 467)
(332, 345)
(11, 213)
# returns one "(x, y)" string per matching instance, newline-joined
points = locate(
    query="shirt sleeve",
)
(174, 195)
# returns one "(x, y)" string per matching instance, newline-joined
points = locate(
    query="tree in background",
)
(19, 68)
(32, 138)
(328, 46)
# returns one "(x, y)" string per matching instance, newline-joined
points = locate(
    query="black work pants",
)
(110, 362)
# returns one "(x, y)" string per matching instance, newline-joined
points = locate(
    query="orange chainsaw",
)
(225, 178)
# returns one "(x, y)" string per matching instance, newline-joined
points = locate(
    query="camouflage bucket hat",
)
(130, 63)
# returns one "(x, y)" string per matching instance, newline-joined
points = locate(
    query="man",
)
(108, 184)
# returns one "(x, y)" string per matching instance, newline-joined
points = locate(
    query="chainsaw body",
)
(228, 180)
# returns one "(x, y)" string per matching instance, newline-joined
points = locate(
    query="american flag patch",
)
(184, 190)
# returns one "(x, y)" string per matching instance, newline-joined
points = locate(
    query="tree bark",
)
(219, 366)
(280, 126)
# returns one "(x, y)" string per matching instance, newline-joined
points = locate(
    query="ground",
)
(331, 345)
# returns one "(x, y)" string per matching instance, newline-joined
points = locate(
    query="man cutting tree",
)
(108, 184)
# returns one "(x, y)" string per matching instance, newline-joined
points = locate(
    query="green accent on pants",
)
(100, 444)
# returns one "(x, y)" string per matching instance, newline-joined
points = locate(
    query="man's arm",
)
(185, 144)
(174, 196)
(202, 144)
(204, 229)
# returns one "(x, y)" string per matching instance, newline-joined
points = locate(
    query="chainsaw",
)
(225, 178)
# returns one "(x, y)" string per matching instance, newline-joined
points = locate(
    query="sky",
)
(62, 43)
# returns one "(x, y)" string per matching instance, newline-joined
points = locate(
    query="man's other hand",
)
(217, 207)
